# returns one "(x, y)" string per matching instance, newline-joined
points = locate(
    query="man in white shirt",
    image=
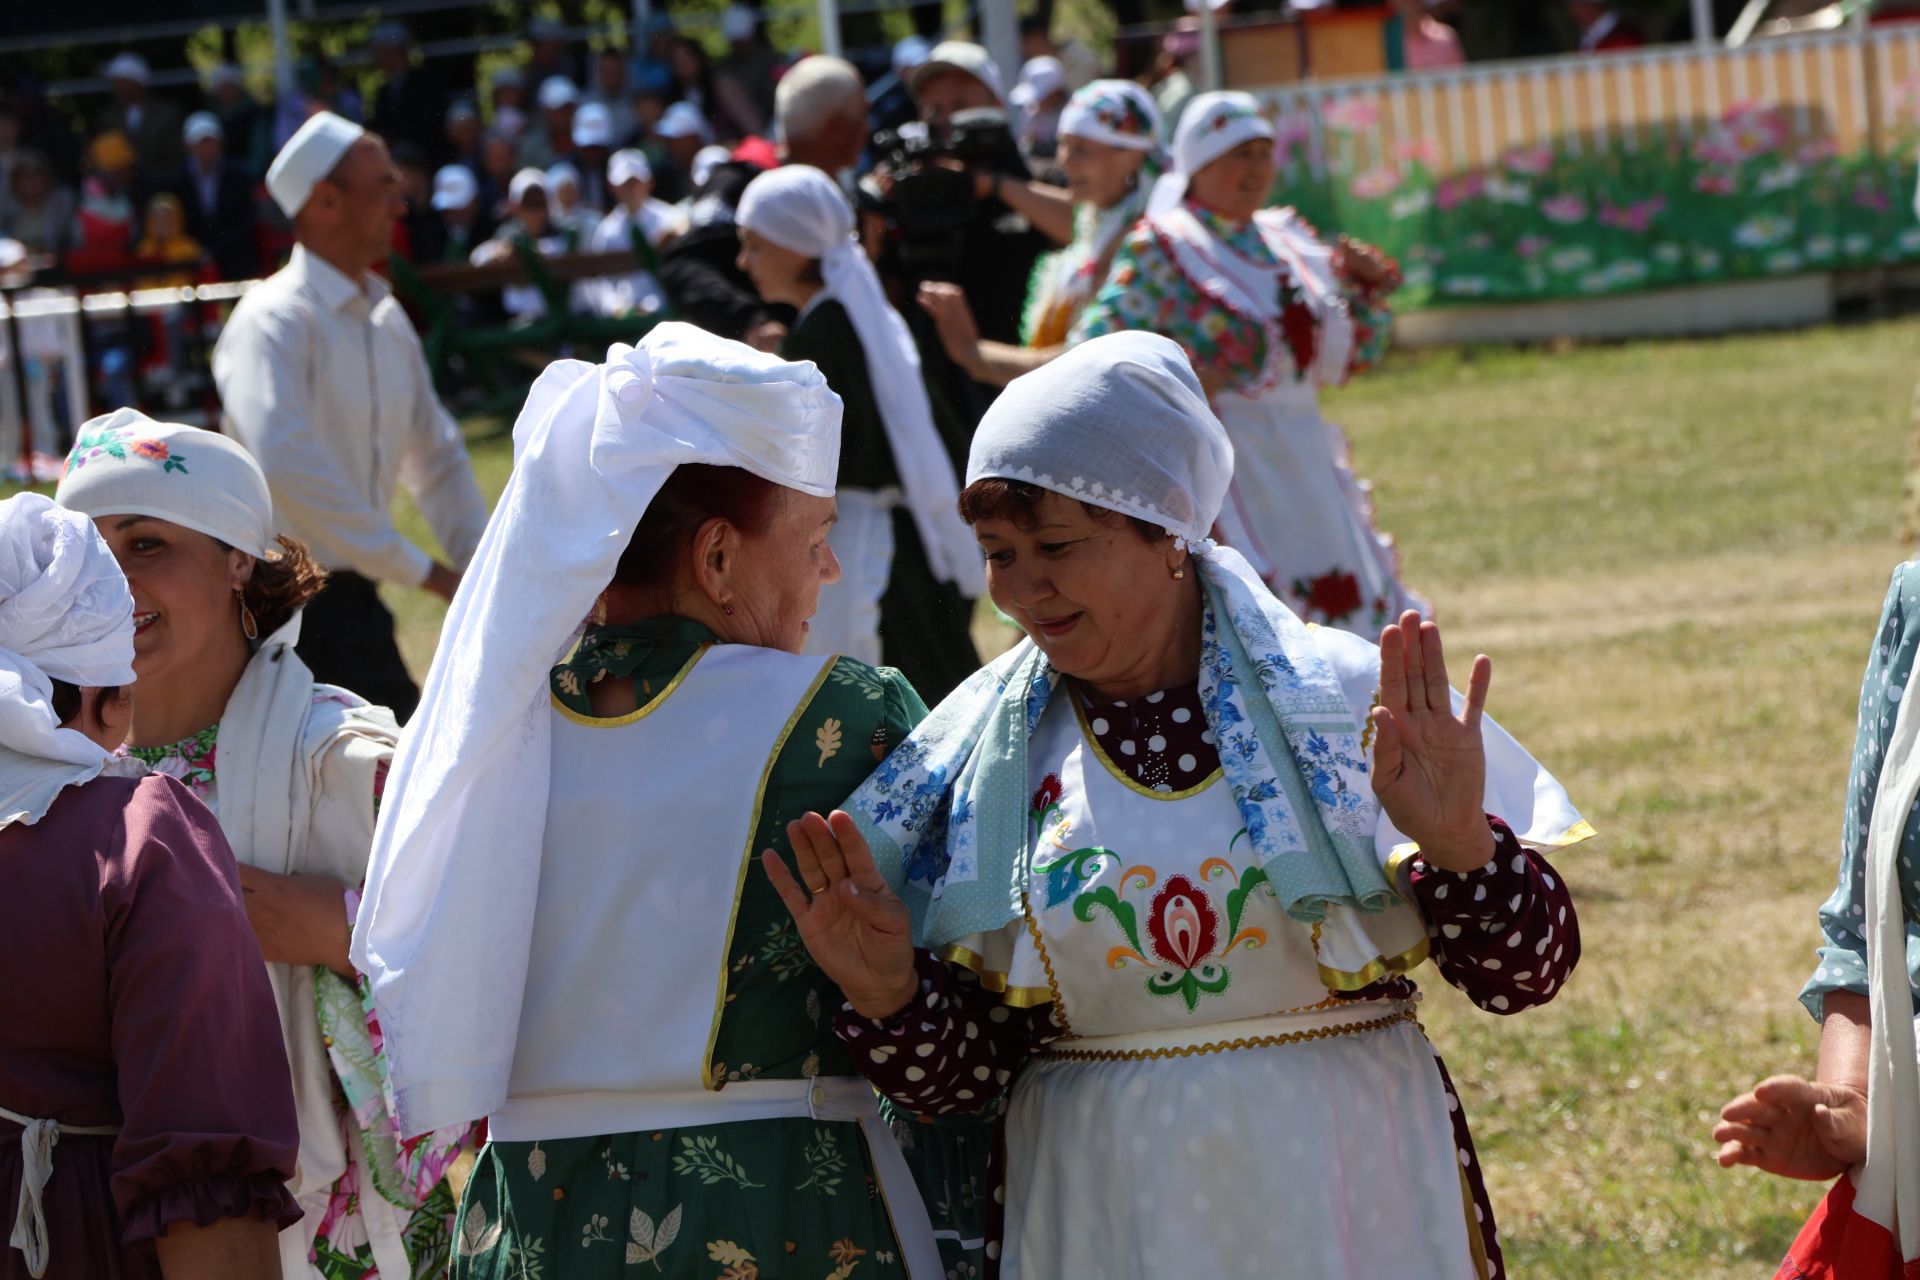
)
(323, 379)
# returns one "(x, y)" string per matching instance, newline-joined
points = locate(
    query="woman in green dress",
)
(561, 929)
(908, 564)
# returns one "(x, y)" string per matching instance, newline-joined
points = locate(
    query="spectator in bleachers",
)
(592, 143)
(609, 91)
(461, 142)
(752, 65)
(896, 107)
(554, 53)
(498, 164)
(1603, 29)
(648, 106)
(464, 223)
(1427, 44)
(1081, 64)
(652, 65)
(164, 240)
(637, 220)
(10, 149)
(682, 131)
(721, 103)
(416, 233)
(217, 199)
(553, 140)
(243, 122)
(507, 90)
(1039, 98)
(151, 125)
(104, 225)
(39, 209)
(565, 207)
(410, 104)
(532, 224)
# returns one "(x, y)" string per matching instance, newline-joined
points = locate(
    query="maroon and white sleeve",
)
(953, 1049)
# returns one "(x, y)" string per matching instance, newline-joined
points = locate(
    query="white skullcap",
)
(683, 120)
(126, 464)
(1040, 79)
(1212, 125)
(1117, 113)
(1060, 427)
(129, 66)
(958, 55)
(457, 853)
(200, 126)
(910, 53)
(454, 187)
(310, 155)
(526, 180)
(799, 207)
(562, 173)
(507, 78)
(557, 92)
(705, 161)
(738, 23)
(626, 165)
(593, 126)
(65, 614)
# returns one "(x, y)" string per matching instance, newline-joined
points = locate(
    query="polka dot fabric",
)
(1160, 741)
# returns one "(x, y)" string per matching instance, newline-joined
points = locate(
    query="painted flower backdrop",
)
(1741, 199)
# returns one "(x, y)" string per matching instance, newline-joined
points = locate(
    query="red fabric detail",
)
(1839, 1244)
(1182, 924)
(758, 152)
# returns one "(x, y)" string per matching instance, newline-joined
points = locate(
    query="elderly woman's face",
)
(184, 611)
(1095, 596)
(1098, 173)
(778, 573)
(1239, 182)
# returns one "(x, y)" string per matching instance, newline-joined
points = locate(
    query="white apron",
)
(1148, 1142)
(847, 619)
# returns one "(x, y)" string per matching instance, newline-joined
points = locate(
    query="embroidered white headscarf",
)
(447, 913)
(798, 207)
(126, 464)
(65, 614)
(1116, 113)
(1212, 125)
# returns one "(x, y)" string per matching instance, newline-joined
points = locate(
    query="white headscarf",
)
(1212, 125)
(1116, 113)
(448, 907)
(798, 207)
(126, 464)
(65, 614)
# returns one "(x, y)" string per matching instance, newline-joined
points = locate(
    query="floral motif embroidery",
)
(1333, 595)
(189, 761)
(1183, 945)
(825, 1164)
(827, 740)
(117, 443)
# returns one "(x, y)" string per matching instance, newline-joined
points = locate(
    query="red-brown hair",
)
(694, 494)
(1018, 502)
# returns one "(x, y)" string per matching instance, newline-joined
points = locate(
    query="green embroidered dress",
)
(743, 1200)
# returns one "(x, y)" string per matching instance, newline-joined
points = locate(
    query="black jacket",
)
(229, 230)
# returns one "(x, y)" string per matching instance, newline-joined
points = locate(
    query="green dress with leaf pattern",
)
(750, 1200)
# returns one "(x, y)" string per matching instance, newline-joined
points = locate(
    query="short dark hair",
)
(992, 498)
(67, 702)
(695, 493)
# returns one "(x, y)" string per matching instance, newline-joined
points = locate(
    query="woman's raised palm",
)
(853, 925)
(1430, 766)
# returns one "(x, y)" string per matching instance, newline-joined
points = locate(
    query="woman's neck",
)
(165, 711)
(798, 294)
(1173, 660)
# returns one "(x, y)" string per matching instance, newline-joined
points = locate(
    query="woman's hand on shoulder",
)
(1429, 765)
(854, 926)
(1794, 1128)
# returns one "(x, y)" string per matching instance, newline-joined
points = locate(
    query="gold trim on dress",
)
(993, 980)
(746, 859)
(639, 713)
(1227, 1046)
(1046, 962)
(1376, 969)
(1100, 754)
(1476, 1234)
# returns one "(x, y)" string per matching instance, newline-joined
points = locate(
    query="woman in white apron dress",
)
(1269, 314)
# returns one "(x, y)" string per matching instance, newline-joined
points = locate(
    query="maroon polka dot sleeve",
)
(953, 1049)
(1507, 934)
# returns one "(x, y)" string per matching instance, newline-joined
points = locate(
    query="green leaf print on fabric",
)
(825, 1164)
(477, 1235)
(594, 1230)
(703, 1158)
(648, 1243)
(527, 1260)
(860, 677)
(782, 950)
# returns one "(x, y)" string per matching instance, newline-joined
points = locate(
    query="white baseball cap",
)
(592, 126)
(561, 173)
(626, 165)
(128, 66)
(507, 78)
(958, 55)
(705, 161)
(200, 126)
(557, 92)
(1040, 79)
(910, 53)
(455, 187)
(683, 120)
(524, 181)
(309, 156)
(738, 23)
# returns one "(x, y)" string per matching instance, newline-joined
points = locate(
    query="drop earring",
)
(248, 626)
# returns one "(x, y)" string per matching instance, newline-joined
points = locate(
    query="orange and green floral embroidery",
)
(119, 442)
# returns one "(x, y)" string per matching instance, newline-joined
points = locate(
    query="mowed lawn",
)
(1675, 553)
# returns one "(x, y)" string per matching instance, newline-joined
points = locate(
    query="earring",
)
(727, 609)
(248, 627)
(1180, 573)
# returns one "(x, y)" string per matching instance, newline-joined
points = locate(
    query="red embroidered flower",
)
(1049, 793)
(1182, 925)
(154, 449)
(1297, 326)
(1331, 595)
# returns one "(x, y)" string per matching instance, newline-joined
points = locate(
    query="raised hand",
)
(854, 926)
(953, 320)
(1429, 766)
(1794, 1128)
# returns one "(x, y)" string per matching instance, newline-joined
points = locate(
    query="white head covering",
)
(201, 125)
(800, 208)
(126, 464)
(962, 56)
(1040, 79)
(309, 156)
(561, 173)
(1169, 466)
(457, 853)
(627, 164)
(739, 22)
(129, 66)
(65, 614)
(705, 161)
(909, 53)
(454, 187)
(683, 120)
(557, 92)
(524, 181)
(1212, 125)
(593, 126)
(1116, 113)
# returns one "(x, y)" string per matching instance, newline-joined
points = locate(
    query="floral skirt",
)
(755, 1200)
(1839, 1244)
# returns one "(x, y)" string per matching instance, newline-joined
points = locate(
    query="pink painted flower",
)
(1713, 183)
(1530, 161)
(1871, 198)
(1564, 209)
(1455, 192)
(1818, 150)
(1376, 183)
(1290, 131)
(1420, 151)
(1531, 246)
(1637, 217)
(1350, 115)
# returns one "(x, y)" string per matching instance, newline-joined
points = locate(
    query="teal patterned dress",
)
(751, 1200)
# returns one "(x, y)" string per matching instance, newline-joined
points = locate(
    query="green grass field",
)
(1675, 553)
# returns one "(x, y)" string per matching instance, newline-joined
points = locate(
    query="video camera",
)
(923, 185)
